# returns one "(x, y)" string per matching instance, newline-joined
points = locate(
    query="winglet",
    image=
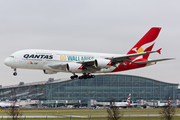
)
(159, 51)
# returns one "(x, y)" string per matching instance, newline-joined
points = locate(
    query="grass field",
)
(124, 118)
(90, 112)
(130, 111)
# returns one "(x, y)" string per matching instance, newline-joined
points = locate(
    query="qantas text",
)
(38, 56)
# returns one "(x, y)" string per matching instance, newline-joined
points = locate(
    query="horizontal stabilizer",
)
(150, 61)
(127, 57)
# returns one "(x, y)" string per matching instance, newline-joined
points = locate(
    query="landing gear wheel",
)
(15, 73)
(86, 76)
(80, 77)
(92, 76)
(74, 76)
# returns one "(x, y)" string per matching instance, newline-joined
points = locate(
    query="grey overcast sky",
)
(108, 26)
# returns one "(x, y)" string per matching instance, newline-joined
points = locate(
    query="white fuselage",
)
(40, 59)
(4, 105)
(121, 104)
(162, 104)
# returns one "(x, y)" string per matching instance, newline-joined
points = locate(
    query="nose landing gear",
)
(15, 73)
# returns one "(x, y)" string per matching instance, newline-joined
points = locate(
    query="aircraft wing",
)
(124, 58)
(89, 65)
(59, 66)
(87, 62)
(150, 61)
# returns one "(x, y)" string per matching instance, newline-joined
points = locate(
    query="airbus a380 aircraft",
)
(53, 61)
(164, 104)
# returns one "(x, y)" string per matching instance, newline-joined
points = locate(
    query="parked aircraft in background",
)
(53, 61)
(124, 104)
(164, 104)
(151, 104)
(4, 105)
(7, 105)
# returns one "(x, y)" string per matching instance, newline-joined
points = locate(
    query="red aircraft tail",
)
(146, 43)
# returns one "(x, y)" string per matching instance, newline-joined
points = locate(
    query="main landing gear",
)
(15, 73)
(74, 76)
(84, 76)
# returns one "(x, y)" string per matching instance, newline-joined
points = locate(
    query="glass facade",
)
(34, 92)
(101, 88)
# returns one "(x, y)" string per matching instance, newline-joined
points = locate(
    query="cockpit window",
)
(11, 56)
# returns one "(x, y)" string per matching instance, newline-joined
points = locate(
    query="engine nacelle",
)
(49, 72)
(74, 67)
(102, 63)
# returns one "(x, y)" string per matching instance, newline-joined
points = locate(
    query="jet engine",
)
(102, 63)
(49, 72)
(74, 67)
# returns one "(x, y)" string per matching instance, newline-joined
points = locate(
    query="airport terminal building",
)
(102, 88)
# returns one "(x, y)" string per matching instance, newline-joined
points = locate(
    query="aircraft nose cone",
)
(7, 61)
